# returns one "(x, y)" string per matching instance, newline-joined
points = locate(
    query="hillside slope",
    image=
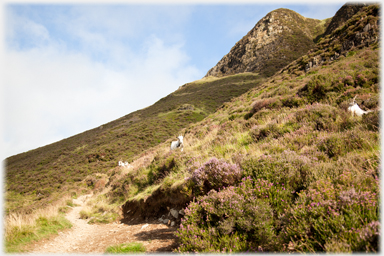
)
(284, 167)
(41, 173)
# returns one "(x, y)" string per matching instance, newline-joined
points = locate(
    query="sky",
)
(67, 68)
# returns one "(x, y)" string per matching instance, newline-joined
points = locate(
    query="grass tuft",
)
(126, 248)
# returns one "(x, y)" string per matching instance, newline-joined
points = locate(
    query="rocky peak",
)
(277, 39)
(342, 15)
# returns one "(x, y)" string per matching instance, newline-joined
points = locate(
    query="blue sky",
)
(69, 68)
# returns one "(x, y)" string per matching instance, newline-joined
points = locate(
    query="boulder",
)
(174, 213)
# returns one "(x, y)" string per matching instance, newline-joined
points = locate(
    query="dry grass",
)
(19, 220)
(21, 229)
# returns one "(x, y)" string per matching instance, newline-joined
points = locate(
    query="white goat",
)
(178, 143)
(355, 109)
(124, 164)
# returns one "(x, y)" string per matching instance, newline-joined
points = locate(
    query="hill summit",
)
(277, 39)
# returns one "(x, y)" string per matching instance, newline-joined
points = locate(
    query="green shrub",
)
(316, 89)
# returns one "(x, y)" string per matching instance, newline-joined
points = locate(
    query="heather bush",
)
(361, 80)
(348, 80)
(339, 144)
(316, 89)
(263, 103)
(287, 168)
(347, 121)
(334, 217)
(320, 117)
(292, 101)
(235, 219)
(333, 146)
(272, 130)
(372, 102)
(215, 174)
(372, 121)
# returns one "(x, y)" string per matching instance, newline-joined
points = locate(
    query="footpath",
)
(95, 238)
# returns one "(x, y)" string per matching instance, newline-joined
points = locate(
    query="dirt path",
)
(86, 238)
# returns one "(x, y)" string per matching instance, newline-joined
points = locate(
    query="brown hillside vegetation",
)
(301, 155)
(281, 167)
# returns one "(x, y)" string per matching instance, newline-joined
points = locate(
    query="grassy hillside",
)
(284, 167)
(38, 177)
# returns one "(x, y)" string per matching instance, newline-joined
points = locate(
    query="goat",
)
(355, 109)
(124, 164)
(178, 143)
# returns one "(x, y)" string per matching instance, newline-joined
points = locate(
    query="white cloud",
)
(21, 27)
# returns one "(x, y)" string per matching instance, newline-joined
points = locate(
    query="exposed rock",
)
(361, 30)
(155, 204)
(182, 212)
(277, 39)
(161, 219)
(172, 223)
(174, 213)
(166, 221)
(342, 15)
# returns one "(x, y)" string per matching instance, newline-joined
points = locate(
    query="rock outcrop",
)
(277, 39)
(342, 15)
(360, 30)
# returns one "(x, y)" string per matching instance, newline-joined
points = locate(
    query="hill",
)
(277, 39)
(283, 167)
(42, 174)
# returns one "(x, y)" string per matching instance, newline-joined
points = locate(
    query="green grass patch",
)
(20, 236)
(126, 248)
